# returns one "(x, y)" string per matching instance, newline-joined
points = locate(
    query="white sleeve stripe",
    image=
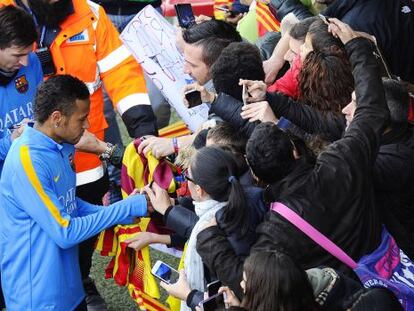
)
(113, 59)
(129, 101)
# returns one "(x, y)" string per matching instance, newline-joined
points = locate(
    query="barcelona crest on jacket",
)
(21, 84)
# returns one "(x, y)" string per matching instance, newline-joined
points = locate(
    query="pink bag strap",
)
(313, 233)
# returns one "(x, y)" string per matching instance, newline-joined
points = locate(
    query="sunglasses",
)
(187, 177)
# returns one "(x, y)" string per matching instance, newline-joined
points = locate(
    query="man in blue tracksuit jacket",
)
(20, 73)
(42, 220)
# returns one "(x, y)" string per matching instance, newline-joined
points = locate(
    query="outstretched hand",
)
(180, 289)
(342, 30)
(256, 89)
(159, 198)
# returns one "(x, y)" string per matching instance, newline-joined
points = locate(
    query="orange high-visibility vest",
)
(88, 47)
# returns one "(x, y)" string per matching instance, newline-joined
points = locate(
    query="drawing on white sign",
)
(151, 40)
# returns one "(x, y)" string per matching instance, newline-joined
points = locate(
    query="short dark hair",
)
(398, 101)
(211, 28)
(212, 48)
(58, 93)
(239, 60)
(228, 138)
(301, 28)
(17, 27)
(226, 134)
(269, 153)
(200, 139)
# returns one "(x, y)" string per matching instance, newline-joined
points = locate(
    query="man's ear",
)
(56, 118)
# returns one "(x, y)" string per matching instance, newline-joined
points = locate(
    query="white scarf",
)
(193, 263)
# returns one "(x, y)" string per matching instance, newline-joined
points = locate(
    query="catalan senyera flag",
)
(176, 129)
(129, 267)
(266, 21)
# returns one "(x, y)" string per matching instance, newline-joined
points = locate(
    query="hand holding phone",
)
(227, 10)
(213, 288)
(193, 98)
(164, 272)
(245, 94)
(213, 303)
(185, 15)
(324, 19)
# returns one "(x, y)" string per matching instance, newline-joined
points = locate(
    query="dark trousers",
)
(91, 193)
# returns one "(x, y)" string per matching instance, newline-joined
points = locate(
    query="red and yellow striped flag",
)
(266, 21)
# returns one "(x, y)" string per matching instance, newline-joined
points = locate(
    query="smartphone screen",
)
(213, 288)
(185, 15)
(213, 303)
(194, 98)
(165, 273)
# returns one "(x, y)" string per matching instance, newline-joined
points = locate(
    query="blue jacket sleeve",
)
(41, 202)
(5, 144)
(85, 208)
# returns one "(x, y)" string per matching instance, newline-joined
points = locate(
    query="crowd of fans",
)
(320, 123)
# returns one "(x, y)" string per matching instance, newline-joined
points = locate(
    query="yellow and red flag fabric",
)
(128, 267)
(266, 21)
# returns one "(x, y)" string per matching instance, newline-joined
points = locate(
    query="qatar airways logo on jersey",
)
(68, 200)
(15, 115)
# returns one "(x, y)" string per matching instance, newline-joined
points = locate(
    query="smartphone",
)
(227, 10)
(213, 303)
(193, 97)
(185, 15)
(245, 94)
(324, 19)
(164, 272)
(17, 125)
(213, 287)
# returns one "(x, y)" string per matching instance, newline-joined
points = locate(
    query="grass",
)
(115, 296)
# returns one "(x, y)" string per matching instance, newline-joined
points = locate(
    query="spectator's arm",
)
(329, 125)
(284, 7)
(219, 256)
(181, 220)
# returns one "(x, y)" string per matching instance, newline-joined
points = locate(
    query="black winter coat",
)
(394, 186)
(335, 195)
(182, 220)
(328, 125)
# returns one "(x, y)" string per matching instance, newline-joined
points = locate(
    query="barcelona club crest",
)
(21, 84)
(71, 162)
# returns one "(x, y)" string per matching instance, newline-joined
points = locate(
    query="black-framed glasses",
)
(187, 177)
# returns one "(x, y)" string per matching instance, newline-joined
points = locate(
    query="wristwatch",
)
(107, 154)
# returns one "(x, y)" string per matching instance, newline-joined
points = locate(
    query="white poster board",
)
(151, 40)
